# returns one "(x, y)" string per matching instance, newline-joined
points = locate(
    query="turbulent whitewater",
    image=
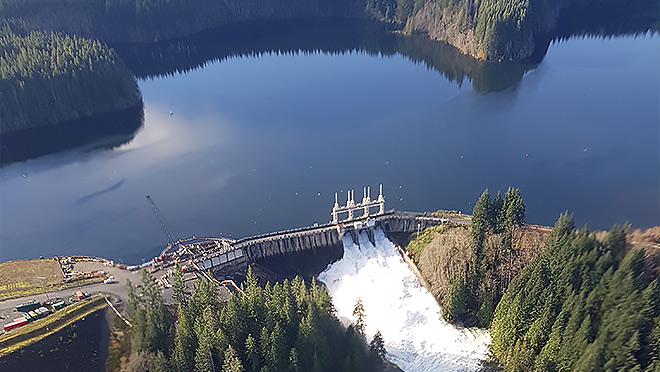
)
(416, 337)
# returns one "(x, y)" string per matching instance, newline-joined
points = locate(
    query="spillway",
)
(416, 337)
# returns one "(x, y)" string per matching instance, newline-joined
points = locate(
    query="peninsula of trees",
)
(50, 78)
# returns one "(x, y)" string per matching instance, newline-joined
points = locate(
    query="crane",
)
(171, 239)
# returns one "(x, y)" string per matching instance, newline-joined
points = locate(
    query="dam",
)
(349, 220)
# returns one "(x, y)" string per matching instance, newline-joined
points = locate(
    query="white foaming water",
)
(416, 337)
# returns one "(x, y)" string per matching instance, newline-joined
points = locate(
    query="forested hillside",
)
(559, 300)
(49, 78)
(587, 303)
(314, 36)
(502, 30)
(126, 21)
(284, 327)
(468, 267)
(518, 30)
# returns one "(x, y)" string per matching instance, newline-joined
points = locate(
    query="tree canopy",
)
(49, 78)
(473, 295)
(287, 326)
(584, 304)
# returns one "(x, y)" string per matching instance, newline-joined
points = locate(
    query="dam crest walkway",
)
(318, 236)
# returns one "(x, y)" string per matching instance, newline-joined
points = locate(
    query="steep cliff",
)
(502, 30)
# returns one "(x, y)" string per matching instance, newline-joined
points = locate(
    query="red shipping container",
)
(21, 321)
(10, 326)
(15, 324)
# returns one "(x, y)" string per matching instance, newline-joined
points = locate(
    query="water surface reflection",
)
(261, 144)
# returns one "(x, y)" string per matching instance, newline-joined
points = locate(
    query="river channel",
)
(258, 142)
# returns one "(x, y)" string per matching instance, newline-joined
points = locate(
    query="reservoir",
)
(261, 139)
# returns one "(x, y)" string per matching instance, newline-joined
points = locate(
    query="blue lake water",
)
(261, 143)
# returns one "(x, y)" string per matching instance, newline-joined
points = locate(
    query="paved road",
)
(116, 290)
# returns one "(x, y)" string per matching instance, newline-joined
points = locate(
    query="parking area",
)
(114, 278)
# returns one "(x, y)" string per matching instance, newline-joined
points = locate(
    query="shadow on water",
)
(81, 346)
(336, 36)
(602, 19)
(608, 19)
(332, 36)
(252, 39)
(101, 131)
(96, 194)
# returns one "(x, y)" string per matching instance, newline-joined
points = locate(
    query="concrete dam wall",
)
(323, 240)
(258, 249)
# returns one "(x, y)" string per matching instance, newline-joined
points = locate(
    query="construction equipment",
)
(171, 239)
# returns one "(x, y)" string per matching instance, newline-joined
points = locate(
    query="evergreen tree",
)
(180, 293)
(486, 310)
(233, 321)
(512, 214)
(279, 349)
(377, 351)
(252, 354)
(231, 361)
(358, 314)
(355, 350)
(149, 316)
(299, 290)
(309, 339)
(205, 329)
(654, 346)
(137, 316)
(515, 208)
(294, 361)
(320, 298)
(156, 322)
(184, 342)
(496, 212)
(266, 351)
(252, 300)
(481, 216)
(454, 304)
(159, 363)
